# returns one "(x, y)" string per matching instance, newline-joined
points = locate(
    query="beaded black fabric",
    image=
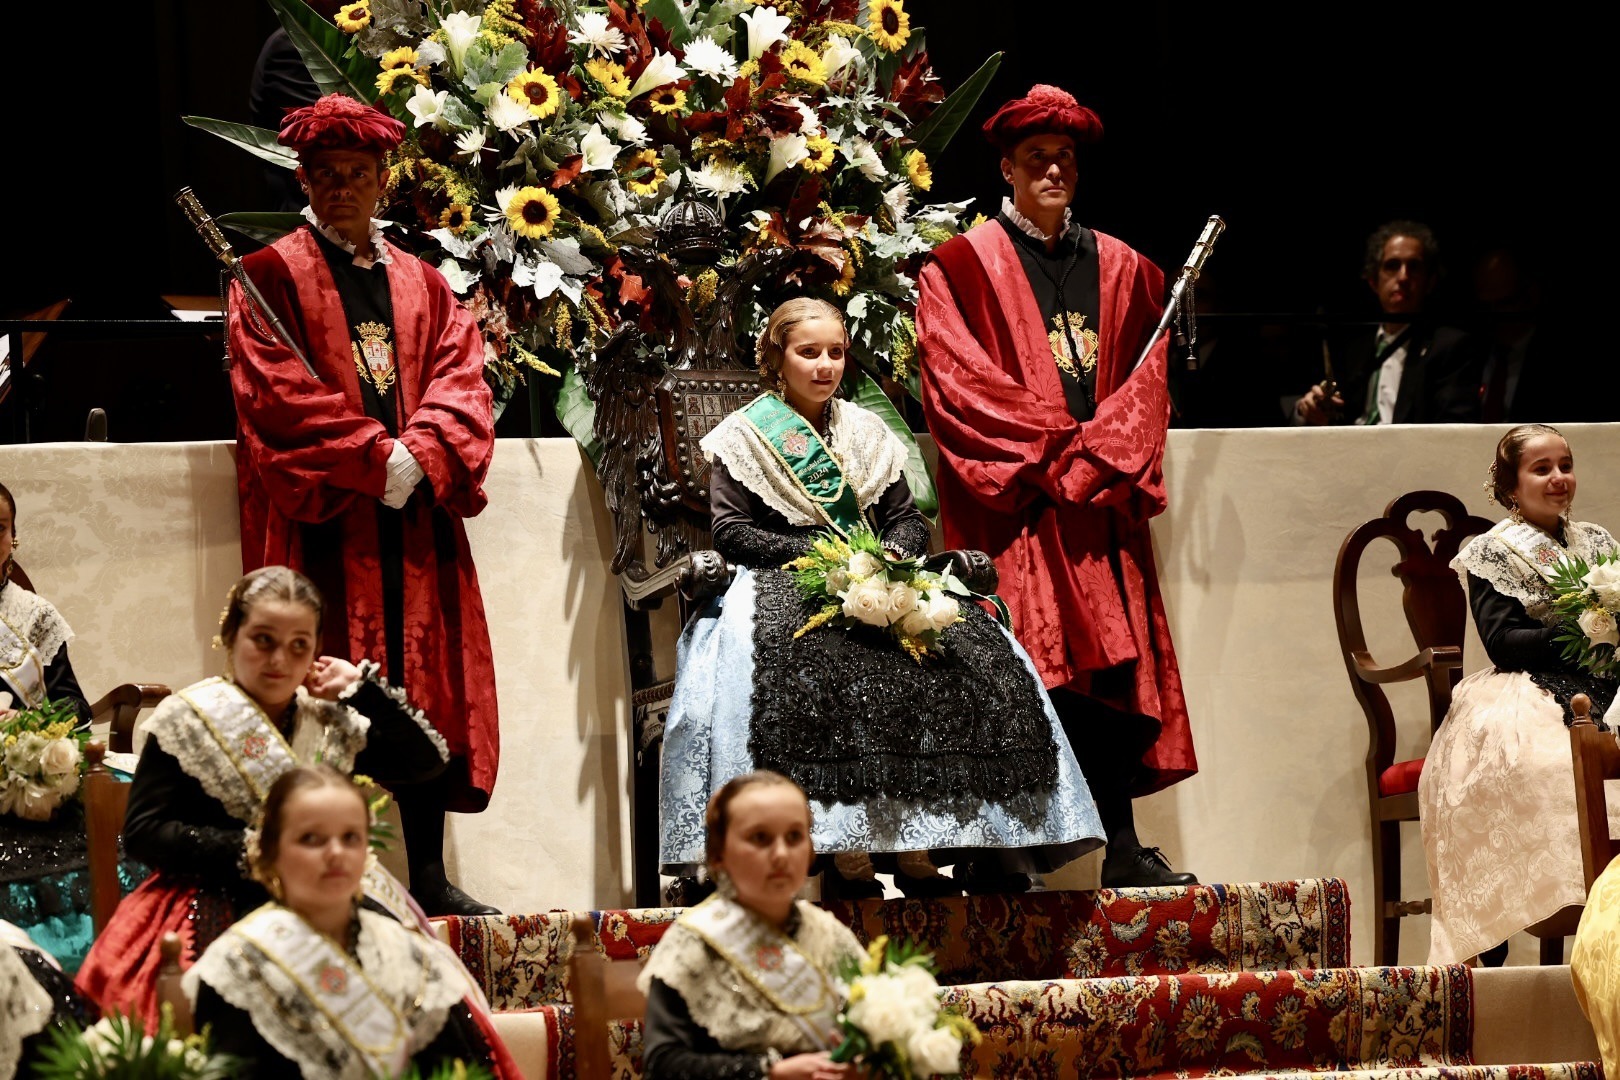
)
(908, 537)
(1564, 685)
(68, 1003)
(750, 545)
(848, 715)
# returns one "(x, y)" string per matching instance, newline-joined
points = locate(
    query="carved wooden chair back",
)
(1436, 611)
(602, 991)
(1596, 756)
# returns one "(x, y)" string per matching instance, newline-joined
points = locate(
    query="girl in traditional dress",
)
(212, 752)
(35, 996)
(315, 985)
(34, 664)
(1497, 793)
(742, 985)
(961, 757)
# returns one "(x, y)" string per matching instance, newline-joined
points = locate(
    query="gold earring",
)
(273, 886)
(1514, 513)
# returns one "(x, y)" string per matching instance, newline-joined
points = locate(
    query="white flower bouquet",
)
(40, 760)
(857, 583)
(118, 1046)
(892, 1020)
(1587, 600)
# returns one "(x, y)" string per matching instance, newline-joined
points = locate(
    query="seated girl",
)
(960, 756)
(314, 983)
(715, 1006)
(212, 752)
(34, 664)
(1497, 792)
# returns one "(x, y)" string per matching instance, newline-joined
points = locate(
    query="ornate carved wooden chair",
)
(106, 798)
(1436, 611)
(602, 991)
(1596, 755)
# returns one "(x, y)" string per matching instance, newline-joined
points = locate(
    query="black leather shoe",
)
(979, 880)
(446, 899)
(836, 886)
(1145, 867)
(927, 887)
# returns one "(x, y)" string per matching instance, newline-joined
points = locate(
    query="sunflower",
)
(918, 171)
(667, 100)
(801, 63)
(389, 80)
(888, 25)
(610, 75)
(821, 151)
(649, 183)
(537, 91)
(404, 56)
(353, 18)
(456, 218)
(532, 212)
(846, 277)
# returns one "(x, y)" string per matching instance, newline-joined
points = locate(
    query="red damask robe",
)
(307, 453)
(1062, 507)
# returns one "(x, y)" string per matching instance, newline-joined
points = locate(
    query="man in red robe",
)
(360, 473)
(1050, 459)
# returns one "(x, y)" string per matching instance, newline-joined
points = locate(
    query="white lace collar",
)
(1028, 227)
(378, 244)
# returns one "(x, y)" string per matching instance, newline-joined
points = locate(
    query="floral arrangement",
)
(858, 583)
(117, 1046)
(42, 758)
(546, 136)
(381, 832)
(892, 1019)
(1587, 600)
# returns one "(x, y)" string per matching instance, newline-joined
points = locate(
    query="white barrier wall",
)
(137, 545)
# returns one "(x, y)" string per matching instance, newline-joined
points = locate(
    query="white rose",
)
(942, 610)
(884, 1011)
(1599, 627)
(937, 1050)
(36, 803)
(916, 624)
(1604, 581)
(59, 757)
(868, 602)
(864, 564)
(837, 582)
(902, 601)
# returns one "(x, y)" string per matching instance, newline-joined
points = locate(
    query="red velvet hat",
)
(1045, 110)
(339, 122)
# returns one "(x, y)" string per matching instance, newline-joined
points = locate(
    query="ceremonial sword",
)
(221, 249)
(1189, 274)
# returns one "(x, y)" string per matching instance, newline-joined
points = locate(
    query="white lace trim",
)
(1028, 227)
(25, 1008)
(379, 243)
(323, 730)
(871, 456)
(413, 975)
(1491, 557)
(36, 618)
(371, 671)
(730, 1007)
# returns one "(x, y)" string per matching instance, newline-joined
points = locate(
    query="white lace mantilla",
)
(871, 456)
(1516, 558)
(221, 737)
(25, 1008)
(335, 1016)
(731, 1007)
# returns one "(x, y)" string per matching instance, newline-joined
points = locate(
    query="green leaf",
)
(325, 51)
(258, 141)
(510, 63)
(577, 412)
(866, 393)
(266, 228)
(668, 12)
(934, 134)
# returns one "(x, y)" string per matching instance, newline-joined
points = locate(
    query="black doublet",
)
(1065, 281)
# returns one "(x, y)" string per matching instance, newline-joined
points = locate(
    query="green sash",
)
(815, 471)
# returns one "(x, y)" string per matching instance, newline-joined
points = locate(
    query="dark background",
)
(1303, 129)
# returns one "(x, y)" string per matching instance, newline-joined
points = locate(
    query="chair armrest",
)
(1438, 658)
(119, 708)
(976, 569)
(705, 574)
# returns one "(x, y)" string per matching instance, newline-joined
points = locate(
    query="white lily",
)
(599, 151)
(507, 113)
(627, 128)
(591, 29)
(707, 58)
(765, 28)
(460, 31)
(786, 152)
(468, 143)
(839, 54)
(428, 107)
(456, 276)
(661, 69)
(862, 155)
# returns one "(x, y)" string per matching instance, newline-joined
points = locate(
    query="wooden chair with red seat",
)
(602, 990)
(1597, 759)
(1436, 610)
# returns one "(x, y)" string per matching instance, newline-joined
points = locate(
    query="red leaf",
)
(915, 88)
(566, 172)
